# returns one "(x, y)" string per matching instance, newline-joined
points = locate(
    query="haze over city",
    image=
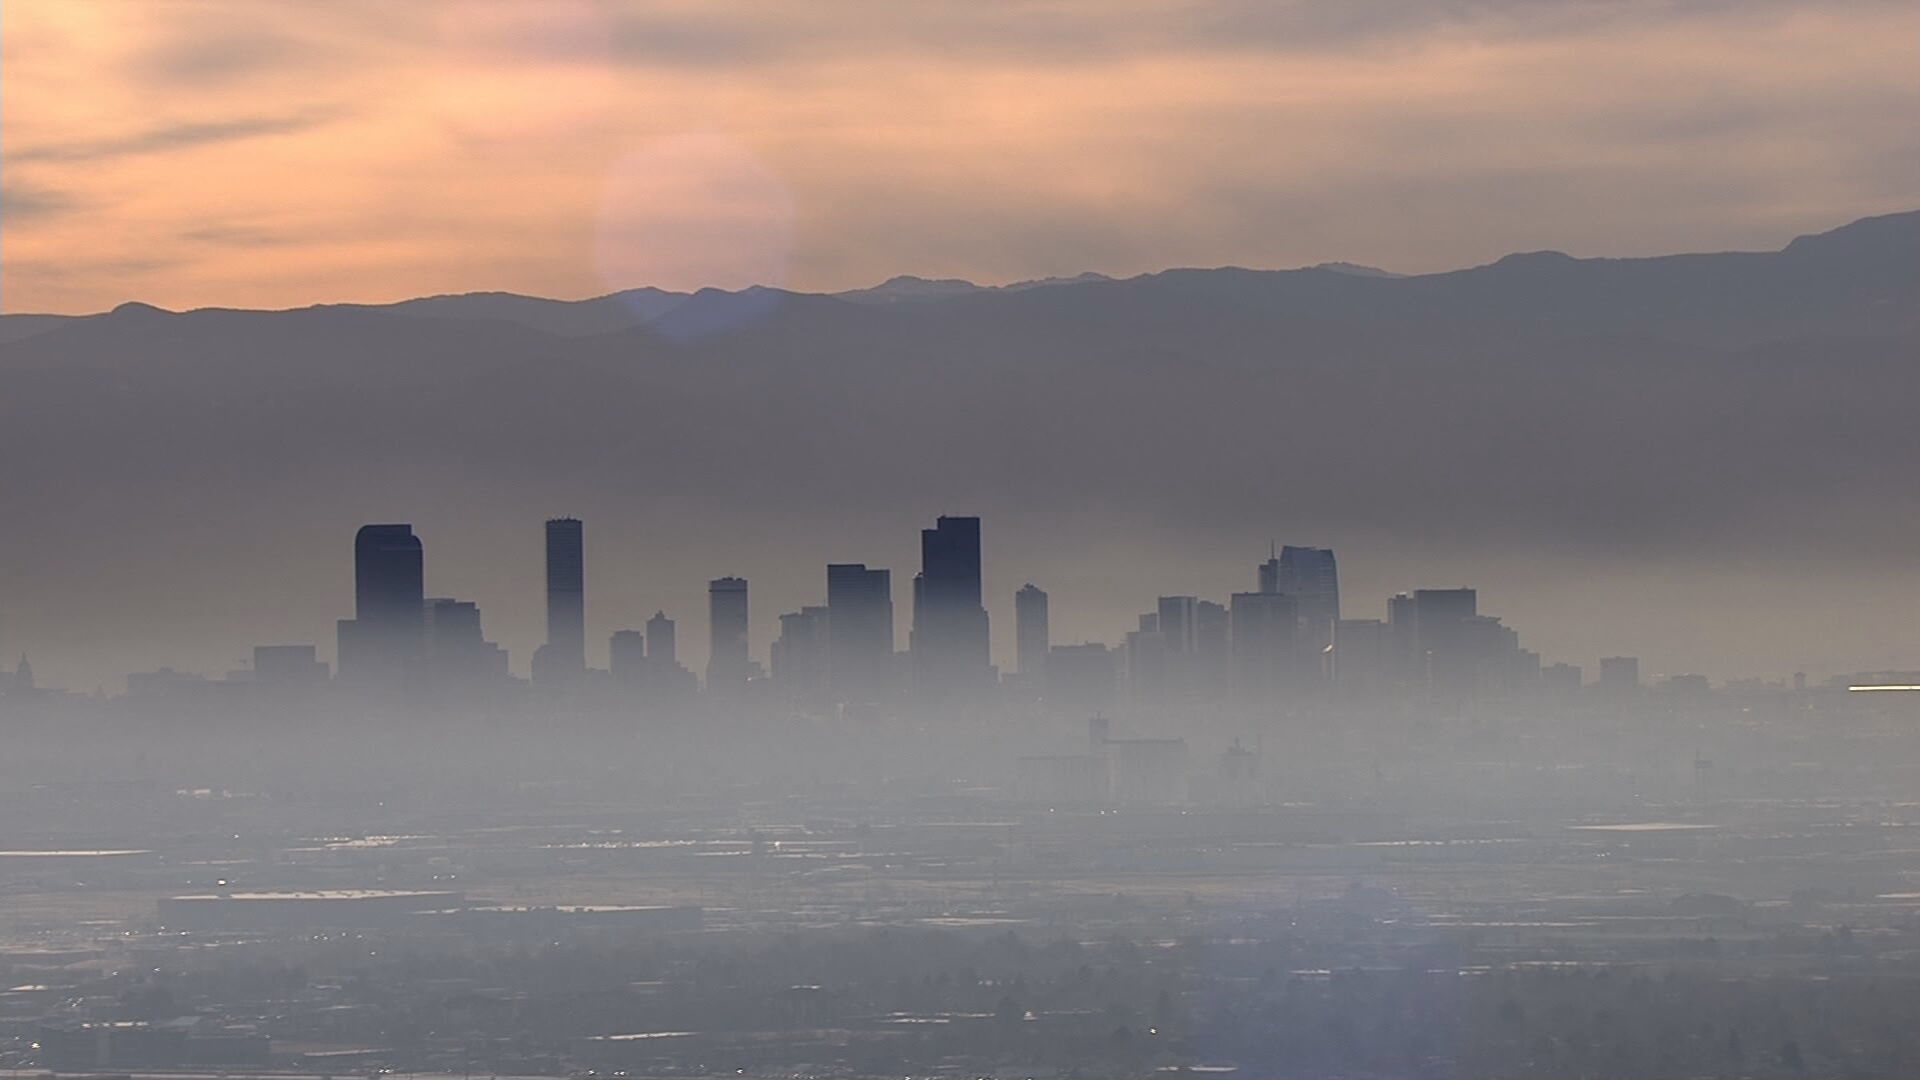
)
(1052, 540)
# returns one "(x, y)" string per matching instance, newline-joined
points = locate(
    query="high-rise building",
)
(950, 634)
(1310, 576)
(859, 631)
(627, 658)
(1212, 637)
(458, 655)
(384, 642)
(666, 677)
(662, 651)
(1444, 635)
(1178, 623)
(1361, 656)
(1080, 679)
(727, 664)
(1030, 633)
(800, 657)
(1270, 573)
(1263, 641)
(1145, 655)
(564, 657)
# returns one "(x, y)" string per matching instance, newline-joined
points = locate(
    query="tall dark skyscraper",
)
(385, 640)
(727, 626)
(1263, 643)
(1442, 623)
(1311, 577)
(950, 635)
(564, 656)
(1030, 633)
(859, 631)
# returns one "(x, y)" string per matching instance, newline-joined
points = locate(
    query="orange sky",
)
(283, 152)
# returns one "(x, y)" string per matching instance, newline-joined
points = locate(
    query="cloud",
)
(219, 58)
(458, 144)
(238, 236)
(25, 204)
(170, 137)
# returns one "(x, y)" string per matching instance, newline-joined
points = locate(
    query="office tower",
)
(800, 654)
(1443, 640)
(1619, 674)
(666, 678)
(564, 658)
(1270, 573)
(458, 654)
(1145, 655)
(1310, 576)
(1080, 679)
(950, 636)
(627, 658)
(1361, 657)
(1212, 650)
(727, 666)
(384, 641)
(859, 631)
(662, 651)
(1263, 647)
(1403, 641)
(1030, 633)
(1178, 623)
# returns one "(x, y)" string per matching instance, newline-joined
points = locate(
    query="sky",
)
(270, 153)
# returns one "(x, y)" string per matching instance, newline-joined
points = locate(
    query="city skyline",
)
(1661, 547)
(1139, 539)
(1266, 639)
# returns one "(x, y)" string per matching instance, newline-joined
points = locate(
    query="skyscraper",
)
(727, 632)
(564, 656)
(384, 641)
(663, 652)
(459, 658)
(1263, 636)
(1270, 573)
(627, 658)
(950, 636)
(800, 663)
(859, 631)
(1442, 620)
(1310, 576)
(1179, 623)
(1030, 633)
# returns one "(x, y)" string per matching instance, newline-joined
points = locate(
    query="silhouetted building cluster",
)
(1284, 644)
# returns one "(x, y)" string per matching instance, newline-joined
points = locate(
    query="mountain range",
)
(1586, 439)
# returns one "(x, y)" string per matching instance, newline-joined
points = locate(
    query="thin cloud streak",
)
(171, 137)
